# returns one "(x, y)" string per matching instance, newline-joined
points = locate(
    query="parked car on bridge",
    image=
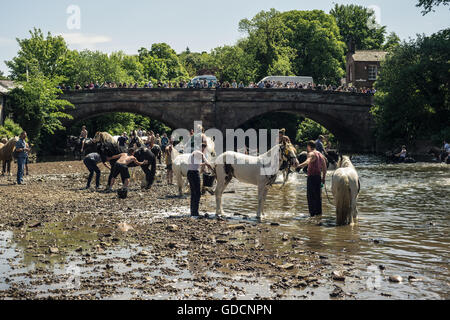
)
(288, 79)
(207, 78)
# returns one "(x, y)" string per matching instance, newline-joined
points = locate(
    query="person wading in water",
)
(317, 166)
(197, 161)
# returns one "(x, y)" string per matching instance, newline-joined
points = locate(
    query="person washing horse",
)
(121, 167)
(197, 162)
(317, 172)
(91, 161)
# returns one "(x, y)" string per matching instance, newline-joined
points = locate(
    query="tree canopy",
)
(413, 90)
(428, 5)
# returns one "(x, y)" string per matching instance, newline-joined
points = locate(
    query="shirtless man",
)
(83, 137)
(121, 167)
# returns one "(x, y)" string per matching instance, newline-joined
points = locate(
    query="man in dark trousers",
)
(197, 161)
(317, 172)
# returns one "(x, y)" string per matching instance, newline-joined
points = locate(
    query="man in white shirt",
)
(197, 161)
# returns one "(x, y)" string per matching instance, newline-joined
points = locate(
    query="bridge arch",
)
(347, 115)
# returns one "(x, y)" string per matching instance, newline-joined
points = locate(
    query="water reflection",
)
(403, 220)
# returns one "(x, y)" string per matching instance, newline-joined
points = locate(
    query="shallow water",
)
(403, 226)
(404, 221)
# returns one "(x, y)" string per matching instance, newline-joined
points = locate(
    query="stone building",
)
(363, 67)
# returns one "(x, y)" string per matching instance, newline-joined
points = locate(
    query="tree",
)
(412, 101)
(2, 76)
(317, 49)
(428, 5)
(265, 40)
(358, 24)
(10, 129)
(36, 107)
(392, 41)
(310, 130)
(232, 63)
(95, 66)
(162, 63)
(48, 56)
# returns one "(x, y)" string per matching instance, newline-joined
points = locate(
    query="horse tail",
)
(342, 197)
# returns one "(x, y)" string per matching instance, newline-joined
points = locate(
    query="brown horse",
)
(103, 137)
(6, 155)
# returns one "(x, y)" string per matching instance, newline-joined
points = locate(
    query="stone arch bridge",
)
(346, 115)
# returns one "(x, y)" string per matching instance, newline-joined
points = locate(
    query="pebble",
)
(395, 279)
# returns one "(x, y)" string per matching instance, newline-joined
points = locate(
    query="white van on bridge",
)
(287, 79)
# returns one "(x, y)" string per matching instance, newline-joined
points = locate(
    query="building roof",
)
(369, 55)
(6, 85)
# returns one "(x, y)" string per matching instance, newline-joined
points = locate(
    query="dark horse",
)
(156, 149)
(440, 155)
(107, 150)
(391, 157)
(75, 144)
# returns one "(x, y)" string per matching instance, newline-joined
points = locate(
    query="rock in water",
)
(395, 279)
(338, 276)
(172, 228)
(125, 227)
(53, 250)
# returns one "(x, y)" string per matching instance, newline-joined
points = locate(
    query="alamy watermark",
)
(74, 19)
(258, 152)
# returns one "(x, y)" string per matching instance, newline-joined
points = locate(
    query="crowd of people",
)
(210, 84)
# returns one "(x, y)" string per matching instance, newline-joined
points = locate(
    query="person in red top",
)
(317, 172)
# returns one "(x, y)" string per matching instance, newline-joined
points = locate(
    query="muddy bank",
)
(59, 242)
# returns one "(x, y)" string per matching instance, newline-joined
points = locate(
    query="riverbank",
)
(54, 233)
(59, 242)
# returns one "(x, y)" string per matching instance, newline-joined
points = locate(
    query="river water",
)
(403, 228)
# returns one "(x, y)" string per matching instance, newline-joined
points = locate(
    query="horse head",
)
(288, 155)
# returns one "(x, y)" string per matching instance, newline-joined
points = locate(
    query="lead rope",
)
(326, 191)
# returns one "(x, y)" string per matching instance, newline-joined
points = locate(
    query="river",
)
(403, 227)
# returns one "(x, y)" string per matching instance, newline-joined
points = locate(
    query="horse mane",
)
(7, 150)
(269, 153)
(345, 162)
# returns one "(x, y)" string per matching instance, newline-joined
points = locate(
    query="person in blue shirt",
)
(164, 142)
(22, 155)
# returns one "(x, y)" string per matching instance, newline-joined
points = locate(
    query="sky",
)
(201, 25)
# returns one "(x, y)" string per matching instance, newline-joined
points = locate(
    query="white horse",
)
(345, 187)
(253, 170)
(180, 163)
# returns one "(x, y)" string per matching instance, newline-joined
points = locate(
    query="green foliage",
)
(428, 5)
(197, 63)
(310, 130)
(412, 101)
(162, 63)
(48, 56)
(357, 23)
(314, 39)
(10, 129)
(392, 41)
(116, 123)
(2, 76)
(36, 106)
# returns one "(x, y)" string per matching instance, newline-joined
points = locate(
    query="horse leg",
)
(220, 188)
(264, 197)
(179, 183)
(260, 200)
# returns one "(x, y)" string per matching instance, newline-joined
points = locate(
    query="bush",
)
(10, 129)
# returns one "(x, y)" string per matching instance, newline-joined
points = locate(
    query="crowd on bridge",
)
(204, 84)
